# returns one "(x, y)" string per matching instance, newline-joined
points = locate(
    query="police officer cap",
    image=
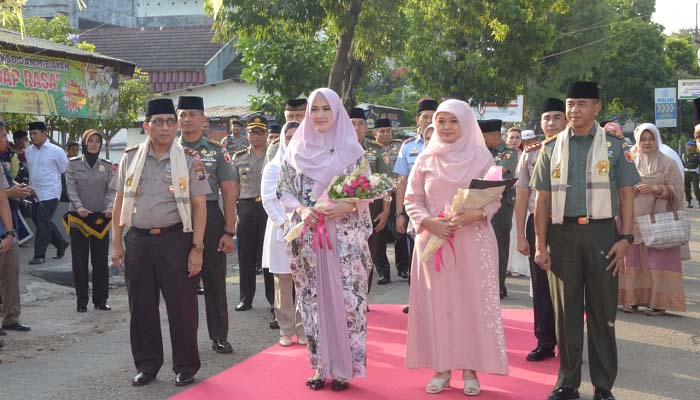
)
(528, 134)
(382, 123)
(357, 112)
(553, 104)
(36, 125)
(275, 129)
(427, 104)
(490, 125)
(256, 121)
(582, 90)
(690, 143)
(160, 106)
(190, 103)
(236, 120)
(295, 105)
(18, 134)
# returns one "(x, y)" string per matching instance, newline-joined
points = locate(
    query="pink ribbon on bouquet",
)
(319, 234)
(438, 254)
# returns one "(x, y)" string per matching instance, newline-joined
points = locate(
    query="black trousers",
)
(154, 265)
(46, 230)
(545, 330)
(252, 221)
(214, 274)
(377, 243)
(502, 223)
(95, 250)
(692, 179)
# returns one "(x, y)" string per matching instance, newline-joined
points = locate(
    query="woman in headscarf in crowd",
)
(330, 275)
(455, 319)
(91, 199)
(275, 257)
(653, 278)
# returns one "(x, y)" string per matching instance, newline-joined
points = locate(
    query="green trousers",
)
(578, 279)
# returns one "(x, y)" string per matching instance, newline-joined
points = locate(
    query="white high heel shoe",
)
(471, 386)
(439, 382)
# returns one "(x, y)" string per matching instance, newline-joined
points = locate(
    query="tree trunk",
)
(108, 140)
(341, 68)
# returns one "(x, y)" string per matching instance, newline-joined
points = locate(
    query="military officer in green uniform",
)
(252, 218)
(381, 154)
(218, 236)
(506, 157)
(583, 177)
(234, 141)
(691, 164)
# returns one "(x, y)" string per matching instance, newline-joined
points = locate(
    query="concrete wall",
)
(214, 69)
(114, 12)
(159, 8)
(226, 93)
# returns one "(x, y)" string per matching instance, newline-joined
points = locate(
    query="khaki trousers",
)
(9, 286)
(286, 313)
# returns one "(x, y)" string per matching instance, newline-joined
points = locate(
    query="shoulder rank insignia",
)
(550, 139)
(239, 152)
(134, 147)
(214, 142)
(275, 141)
(410, 139)
(532, 147)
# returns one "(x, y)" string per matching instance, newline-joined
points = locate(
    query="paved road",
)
(87, 356)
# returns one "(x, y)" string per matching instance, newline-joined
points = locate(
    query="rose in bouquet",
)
(354, 188)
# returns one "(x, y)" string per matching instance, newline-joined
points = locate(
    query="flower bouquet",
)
(480, 193)
(354, 188)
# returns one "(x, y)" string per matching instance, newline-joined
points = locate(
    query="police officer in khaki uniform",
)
(583, 177)
(164, 244)
(218, 236)
(234, 141)
(552, 121)
(88, 180)
(252, 218)
(691, 165)
(381, 154)
(506, 157)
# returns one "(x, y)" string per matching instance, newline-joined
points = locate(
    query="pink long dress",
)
(455, 319)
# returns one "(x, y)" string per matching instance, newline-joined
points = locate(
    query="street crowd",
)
(176, 204)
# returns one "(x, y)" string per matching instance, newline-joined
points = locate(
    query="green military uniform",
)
(502, 222)
(252, 222)
(578, 247)
(691, 163)
(381, 160)
(217, 164)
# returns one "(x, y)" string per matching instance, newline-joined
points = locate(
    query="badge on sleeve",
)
(603, 167)
(102, 169)
(199, 170)
(556, 173)
(183, 184)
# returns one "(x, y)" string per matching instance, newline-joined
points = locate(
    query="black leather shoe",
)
(37, 261)
(243, 307)
(62, 251)
(504, 293)
(384, 280)
(562, 393)
(274, 324)
(221, 346)
(405, 310)
(17, 326)
(142, 379)
(540, 354)
(82, 308)
(200, 290)
(338, 385)
(103, 307)
(403, 274)
(183, 379)
(603, 394)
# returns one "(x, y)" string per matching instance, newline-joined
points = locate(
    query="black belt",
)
(586, 220)
(213, 202)
(157, 231)
(253, 199)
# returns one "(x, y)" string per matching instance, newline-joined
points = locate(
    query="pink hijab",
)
(463, 160)
(321, 156)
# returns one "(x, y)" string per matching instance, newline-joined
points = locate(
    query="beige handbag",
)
(665, 230)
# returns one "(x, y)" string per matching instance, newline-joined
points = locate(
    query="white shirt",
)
(46, 164)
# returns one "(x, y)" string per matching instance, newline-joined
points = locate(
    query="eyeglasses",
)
(257, 132)
(160, 121)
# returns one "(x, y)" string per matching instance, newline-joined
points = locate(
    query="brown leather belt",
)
(586, 220)
(157, 231)
(253, 199)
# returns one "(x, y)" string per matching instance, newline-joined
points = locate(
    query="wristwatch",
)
(229, 233)
(629, 238)
(198, 246)
(10, 232)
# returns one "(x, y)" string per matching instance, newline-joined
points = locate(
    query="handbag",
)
(665, 230)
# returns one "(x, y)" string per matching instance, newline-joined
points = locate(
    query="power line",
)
(582, 46)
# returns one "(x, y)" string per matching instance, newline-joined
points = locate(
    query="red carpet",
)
(280, 373)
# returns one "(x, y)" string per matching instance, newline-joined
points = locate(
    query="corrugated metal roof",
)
(186, 48)
(13, 41)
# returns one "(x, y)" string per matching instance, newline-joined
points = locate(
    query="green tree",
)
(362, 31)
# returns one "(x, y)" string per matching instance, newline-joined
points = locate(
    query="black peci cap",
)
(382, 123)
(357, 112)
(275, 129)
(160, 106)
(427, 104)
(295, 105)
(36, 125)
(582, 90)
(490, 125)
(553, 104)
(190, 103)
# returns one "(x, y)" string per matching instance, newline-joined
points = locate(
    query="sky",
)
(675, 14)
